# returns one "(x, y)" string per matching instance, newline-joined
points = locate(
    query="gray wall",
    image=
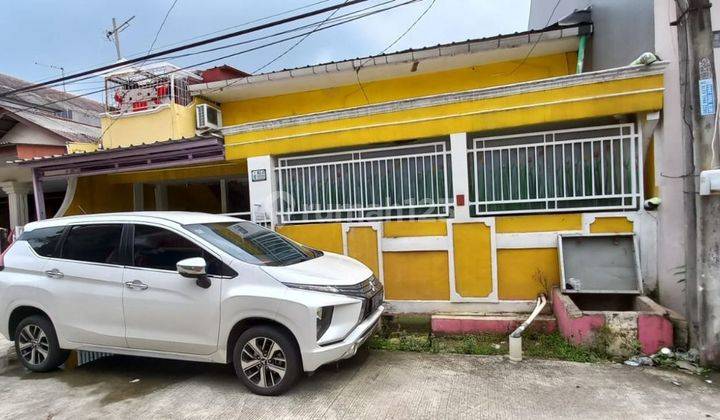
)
(623, 29)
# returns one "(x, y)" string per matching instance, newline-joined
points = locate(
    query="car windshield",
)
(253, 244)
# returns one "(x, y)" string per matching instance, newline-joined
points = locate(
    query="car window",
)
(93, 243)
(253, 244)
(44, 240)
(161, 249)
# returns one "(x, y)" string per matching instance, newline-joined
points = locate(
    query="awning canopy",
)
(143, 157)
(161, 155)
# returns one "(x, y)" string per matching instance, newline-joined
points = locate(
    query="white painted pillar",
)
(461, 185)
(161, 197)
(263, 193)
(17, 193)
(138, 197)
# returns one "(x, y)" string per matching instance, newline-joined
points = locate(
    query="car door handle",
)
(136, 285)
(54, 273)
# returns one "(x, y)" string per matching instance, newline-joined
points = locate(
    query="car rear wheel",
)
(266, 360)
(37, 346)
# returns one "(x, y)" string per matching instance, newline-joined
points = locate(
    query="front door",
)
(165, 311)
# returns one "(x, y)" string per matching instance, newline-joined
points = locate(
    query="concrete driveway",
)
(375, 385)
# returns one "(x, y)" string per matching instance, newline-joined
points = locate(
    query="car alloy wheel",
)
(263, 362)
(33, 344)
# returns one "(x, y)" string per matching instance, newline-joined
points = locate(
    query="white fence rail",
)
(592, 168)
(384, 183)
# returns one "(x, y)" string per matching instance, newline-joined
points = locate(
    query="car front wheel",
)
(37, 346)
(266, 360)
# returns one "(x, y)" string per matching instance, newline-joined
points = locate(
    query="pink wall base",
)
(654, 333)
(487, 324)
(576, 327)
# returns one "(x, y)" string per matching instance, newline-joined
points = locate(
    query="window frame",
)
(562, 185)
(122, 257)
(129, 248)
(55, 252)
(310, 202)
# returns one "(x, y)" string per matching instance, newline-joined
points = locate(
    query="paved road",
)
(378, 385)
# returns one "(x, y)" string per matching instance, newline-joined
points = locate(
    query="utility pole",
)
(114, 33)
(700, 108)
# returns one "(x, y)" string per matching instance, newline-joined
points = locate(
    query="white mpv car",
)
(188, 286)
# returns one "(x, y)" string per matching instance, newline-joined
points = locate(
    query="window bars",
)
(384, 183)
(593, 168)
(145, 88)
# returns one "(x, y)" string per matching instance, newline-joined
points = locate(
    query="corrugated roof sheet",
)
(40, 107)
(471, 45)
(45, 95)
(68, 129)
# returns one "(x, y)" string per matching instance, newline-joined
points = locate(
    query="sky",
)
(71, 33)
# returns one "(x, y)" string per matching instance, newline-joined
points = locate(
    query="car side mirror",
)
(194, 268)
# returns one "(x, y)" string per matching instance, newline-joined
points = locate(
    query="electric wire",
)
(354, 18)
(188, 46)
(250, 41)
(537, 41)
(240, 25)
(292, 47)
(357, 71)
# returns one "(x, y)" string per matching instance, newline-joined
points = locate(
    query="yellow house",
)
(449, 170)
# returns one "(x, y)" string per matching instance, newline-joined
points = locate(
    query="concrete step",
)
(492, 324)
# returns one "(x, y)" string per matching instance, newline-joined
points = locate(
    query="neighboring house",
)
(449, 170)
(34, 124)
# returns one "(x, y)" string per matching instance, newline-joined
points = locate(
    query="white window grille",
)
(385, 183)
(593, 168)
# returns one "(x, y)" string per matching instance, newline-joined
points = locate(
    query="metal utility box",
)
(599, 263)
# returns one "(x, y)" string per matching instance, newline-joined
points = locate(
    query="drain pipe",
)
(516, 337)
(581, 54)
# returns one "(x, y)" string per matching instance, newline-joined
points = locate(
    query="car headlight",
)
(313, 287)
(324, 318)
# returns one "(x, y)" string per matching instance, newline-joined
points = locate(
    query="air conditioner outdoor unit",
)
(207, 117)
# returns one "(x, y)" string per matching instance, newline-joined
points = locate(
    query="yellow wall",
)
(457, 80)
(363, 246)
(473, 259)
(228, 170)
(538, 223)
(98, 194)
(561, 104)
(323, 236)
(424, 275)
(416, 275)
(74, 147)
(651, 187)
(414, 228)
(110, 193)
(517, 270)
(611, 225)
(168, 122)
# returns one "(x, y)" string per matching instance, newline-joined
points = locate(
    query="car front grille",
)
(365, 289)
(370, 290)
